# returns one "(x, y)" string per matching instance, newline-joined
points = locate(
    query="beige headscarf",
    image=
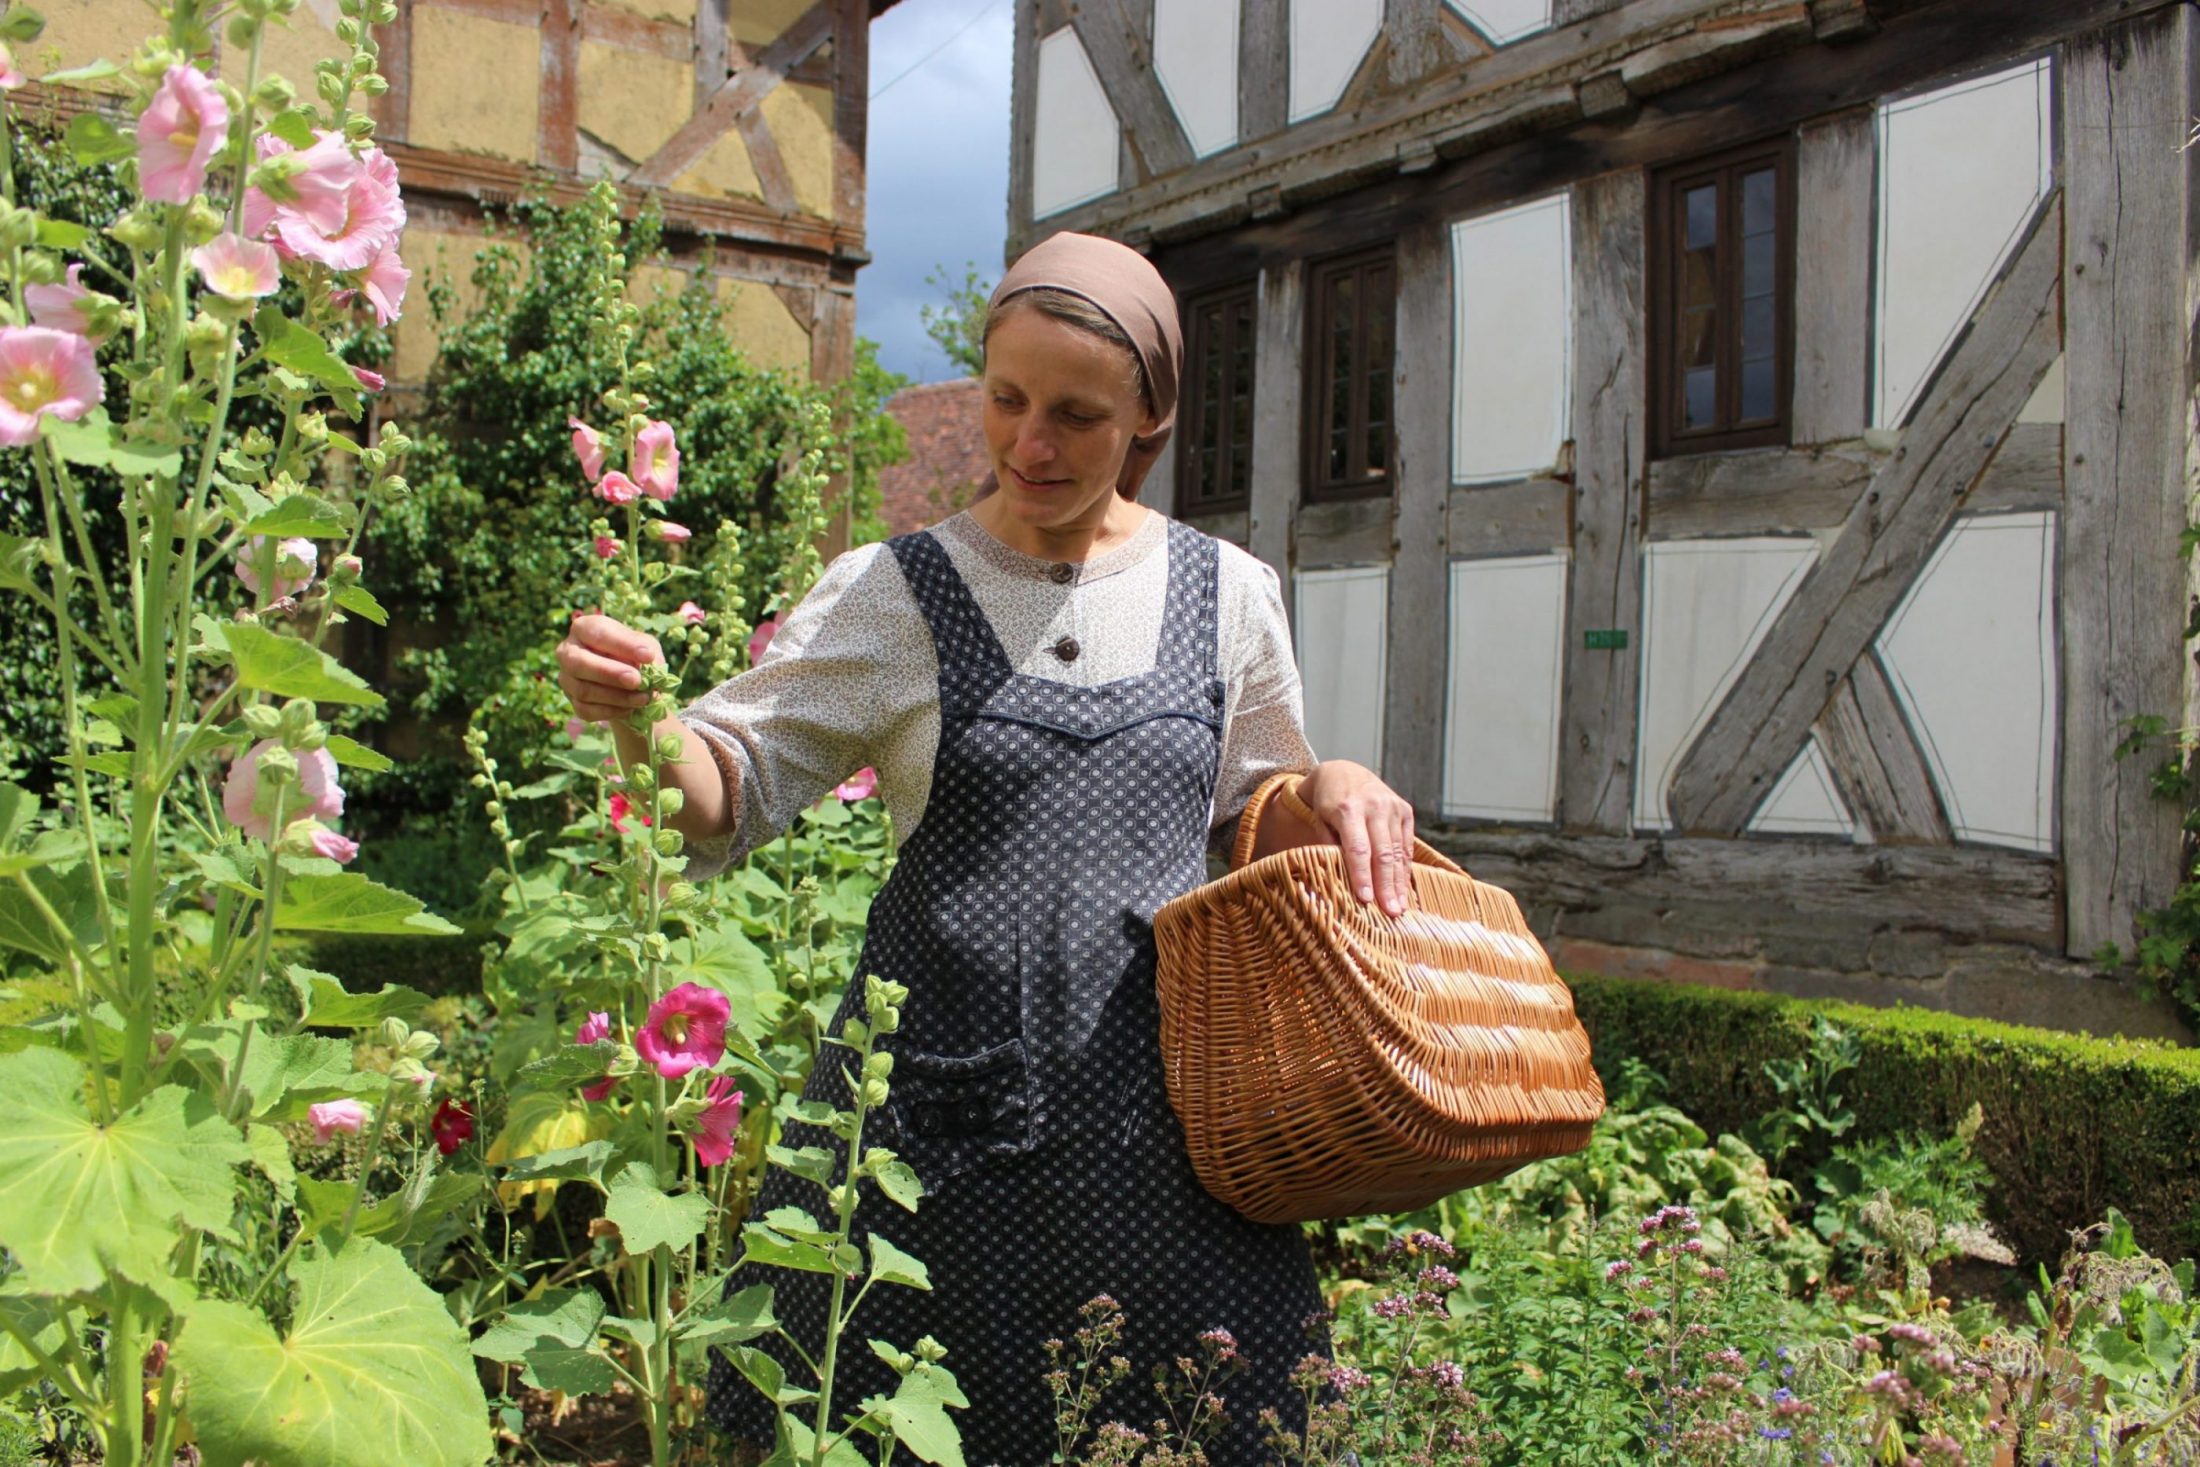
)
(1132, 294)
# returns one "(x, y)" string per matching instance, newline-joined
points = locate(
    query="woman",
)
(1067, 699)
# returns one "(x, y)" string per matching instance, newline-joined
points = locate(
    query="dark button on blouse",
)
(1067, 649)
(1062, 573)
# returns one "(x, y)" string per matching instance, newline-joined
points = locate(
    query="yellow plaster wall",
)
(476, 84)
(801, 119)
(632, 100)
(430, 252)
(763, 328)
(291, 47)
(82, 31)
(682, 11)
(758, 21)
(724, 169)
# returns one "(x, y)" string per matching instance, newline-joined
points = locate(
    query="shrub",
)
(2072, 1124)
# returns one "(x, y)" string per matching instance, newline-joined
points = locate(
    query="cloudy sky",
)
(938, 168)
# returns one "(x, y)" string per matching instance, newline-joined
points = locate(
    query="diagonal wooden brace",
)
(741, 93)
(1844, 602)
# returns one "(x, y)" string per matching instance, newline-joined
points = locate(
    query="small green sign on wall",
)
(1605, 639)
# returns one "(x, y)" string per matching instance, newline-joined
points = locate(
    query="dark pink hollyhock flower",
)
(860, 785)
(606, 548)
(715, 1127)
(617, 488)
(657, 461)
(761, 638)
(686, 1030)
(692, 614)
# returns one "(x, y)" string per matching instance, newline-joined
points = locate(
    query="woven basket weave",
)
(1327, 1060)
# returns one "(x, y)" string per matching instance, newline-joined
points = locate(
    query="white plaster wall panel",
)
(1806, 801)
(1504, 20)
(1329, 39)
(1505, 670)
(1076, 140)
(1706, 604)
(1512, 341)
(1195, 53)
(2046, 405)
(1971, 654)
(1961, 170)
(1343, 628)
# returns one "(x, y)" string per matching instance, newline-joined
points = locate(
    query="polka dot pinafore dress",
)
(1027, 1089)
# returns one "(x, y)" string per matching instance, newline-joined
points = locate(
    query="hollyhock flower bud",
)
(69, 306)
(331, 1116)
(715, 1127)
(692, 614)
(11, 76)
(657, 461)
(685, 1030)
(236, 268)
(178, 133)
(372, 381)
(761, 638)
(43, 371)
(574, 729)
(295, 562)
(335, 847)
(617, 488)
(452, 1125)
(250, 807)
(860, 785)
(588, 448)
(667, 531)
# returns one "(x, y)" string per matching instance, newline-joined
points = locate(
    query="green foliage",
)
(957, 326)
(2070, 1122)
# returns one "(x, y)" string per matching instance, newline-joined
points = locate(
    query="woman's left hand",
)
(1372, 824)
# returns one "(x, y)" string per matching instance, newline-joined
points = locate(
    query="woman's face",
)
(1061, 409)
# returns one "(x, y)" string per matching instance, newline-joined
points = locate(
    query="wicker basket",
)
(1327, 1060)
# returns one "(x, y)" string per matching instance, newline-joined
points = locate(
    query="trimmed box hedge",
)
(2074, 1125)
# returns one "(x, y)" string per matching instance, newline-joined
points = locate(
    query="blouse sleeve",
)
(829, 694)
(1263, 722)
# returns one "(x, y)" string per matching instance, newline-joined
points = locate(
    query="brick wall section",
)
(947, 463)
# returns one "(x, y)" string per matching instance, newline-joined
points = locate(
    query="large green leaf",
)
(569, 1064)
(889, 1265)
(350, 902)
(373, 1372)
(80, 1200)
(291, 344)
(303, 514)
(68, 893)
(292, 668)
(647, 1215)
(96, 443)
(738, 1318)
(918, 1416)
(328, 1005)
(554, 1337)
(354, 755)
(39, 1321)
(583, 1163)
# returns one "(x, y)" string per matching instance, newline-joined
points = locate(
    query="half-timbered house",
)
(1727, 457)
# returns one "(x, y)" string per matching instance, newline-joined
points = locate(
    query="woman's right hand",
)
(598, 667)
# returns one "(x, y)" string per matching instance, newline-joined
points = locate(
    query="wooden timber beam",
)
(557, 116)
(1876, 762)
(851, 109)
(741, 93)
(1118, 39)
(1264, 76)
(1596, 750)
(1415, 684)
(1279, 381)
(771, 169)
(392, 110)
(713, 47)
(2128, 97)
(1846, 598)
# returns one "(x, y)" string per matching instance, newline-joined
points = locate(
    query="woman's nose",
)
(1033, 445)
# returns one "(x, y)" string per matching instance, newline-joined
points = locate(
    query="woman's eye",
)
(1079, 420)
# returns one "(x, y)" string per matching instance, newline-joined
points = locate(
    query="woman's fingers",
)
(615, 640)
(1393, 854)
(598, 667)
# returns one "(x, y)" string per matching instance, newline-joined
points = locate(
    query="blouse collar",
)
(1144, 541)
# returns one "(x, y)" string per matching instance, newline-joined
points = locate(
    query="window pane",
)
(1757, 338)
(1757, 387)
(1700, 410)
(1757, 265)
(1758, 195)
(1380, 324)
(1701, 208)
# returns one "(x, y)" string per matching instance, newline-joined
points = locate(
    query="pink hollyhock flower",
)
(372, 381)
(617, 488)
(316, 796)
(594, 1029)
(44, 371)
(656, 461)
(669, 532)
(714, 1128)
(601, 1088)
(452, 1126)
(312, 186)
(63, 307)
(385, 283)
(337, 848)
(761, 638)
(606, 548)
(692, 614)
(11, 76)
(574, 728)
(295, 562)
(373, 216)
(176, 135)
(860, 785)
(236, 268)
(686, 1030)
(331, 1116)
(588, 448)
(621, 808)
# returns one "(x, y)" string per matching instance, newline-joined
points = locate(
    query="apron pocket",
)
(953, 1113)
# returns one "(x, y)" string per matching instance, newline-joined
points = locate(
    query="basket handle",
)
(1285, 787)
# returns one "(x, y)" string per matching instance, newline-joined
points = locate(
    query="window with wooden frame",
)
(1215, 460)
(1722, 300)
(1351, 329)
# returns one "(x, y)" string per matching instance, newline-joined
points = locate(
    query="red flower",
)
(621, 807)
(453, 1126)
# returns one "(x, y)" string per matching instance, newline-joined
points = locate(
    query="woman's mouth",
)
(1030, 483)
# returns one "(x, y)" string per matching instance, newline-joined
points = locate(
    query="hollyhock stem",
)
(366, 1167)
